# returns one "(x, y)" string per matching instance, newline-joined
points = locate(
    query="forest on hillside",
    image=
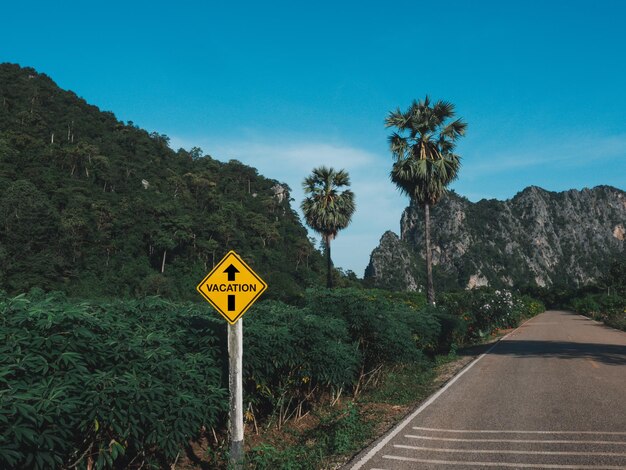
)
(96, 207)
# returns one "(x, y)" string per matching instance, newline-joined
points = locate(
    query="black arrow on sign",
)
(231, 271)
(231, 303)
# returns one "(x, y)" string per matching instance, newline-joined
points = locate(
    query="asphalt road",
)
(551, 395)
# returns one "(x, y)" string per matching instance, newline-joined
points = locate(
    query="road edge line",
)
(601, 323)
(400, 426)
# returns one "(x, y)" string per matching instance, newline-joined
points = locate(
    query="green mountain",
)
(97, 207)
(536, 239)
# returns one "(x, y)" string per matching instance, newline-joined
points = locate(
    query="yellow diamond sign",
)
(232, 287)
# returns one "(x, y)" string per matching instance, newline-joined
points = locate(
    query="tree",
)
(29, 238)
(614, 281)
(327, 209)
(425, 162)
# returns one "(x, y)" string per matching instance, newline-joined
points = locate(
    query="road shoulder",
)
(445, 374)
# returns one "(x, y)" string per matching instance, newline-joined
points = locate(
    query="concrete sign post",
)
(235, 416)
(231, 288)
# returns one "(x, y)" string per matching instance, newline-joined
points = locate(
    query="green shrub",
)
(531, 307)
(610, 309)
(384, 331)
(452, 332)
(118, 384)
(586, 305)
(290, 352)
(405, 384)
(268, 457)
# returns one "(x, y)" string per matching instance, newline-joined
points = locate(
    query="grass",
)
(346, 428)
(340, 431)
(405, 385)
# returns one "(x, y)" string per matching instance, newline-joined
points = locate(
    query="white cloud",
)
(298, 157)
(564, 151)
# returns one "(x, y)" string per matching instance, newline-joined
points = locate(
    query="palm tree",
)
(425, 162)
(326, 209)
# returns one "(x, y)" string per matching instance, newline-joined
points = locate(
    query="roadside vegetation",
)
(610, 309)
(126, 384)
(605, 302)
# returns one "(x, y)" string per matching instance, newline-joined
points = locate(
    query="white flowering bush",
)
(484, 311)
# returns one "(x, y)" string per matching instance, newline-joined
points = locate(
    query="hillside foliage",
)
(97, 207)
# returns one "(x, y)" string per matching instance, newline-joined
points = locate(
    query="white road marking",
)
(503, 464)
(385, 440)
(591, 319)
(497, 431)
(496, 451)
(600, 323)
(531, 441)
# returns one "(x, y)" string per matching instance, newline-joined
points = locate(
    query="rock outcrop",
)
(537, 238)
(394, 265)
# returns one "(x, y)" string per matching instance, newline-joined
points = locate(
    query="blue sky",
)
(286, 86)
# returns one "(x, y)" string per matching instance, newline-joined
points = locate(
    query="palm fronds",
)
(423, 149)
(326, 208)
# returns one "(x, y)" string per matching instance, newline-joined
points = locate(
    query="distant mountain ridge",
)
(537, 238)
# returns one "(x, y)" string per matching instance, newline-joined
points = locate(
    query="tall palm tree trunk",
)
(430, 292)
(329, 277)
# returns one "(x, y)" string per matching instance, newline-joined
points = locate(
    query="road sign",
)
(232, 287)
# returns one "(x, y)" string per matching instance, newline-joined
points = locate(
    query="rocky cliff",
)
(537, 238)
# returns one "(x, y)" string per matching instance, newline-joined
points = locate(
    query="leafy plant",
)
(118, 384)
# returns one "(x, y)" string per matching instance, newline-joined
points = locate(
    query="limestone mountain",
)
(537, 238)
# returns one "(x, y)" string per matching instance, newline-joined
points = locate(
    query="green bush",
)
(610, 309)
(117, 384)
(126, 384)
(385, 332)
(452, 331)
(343, 431)
(295, 457)
(531, 307)
(294, 355)
(290, 353)
(586, 305)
